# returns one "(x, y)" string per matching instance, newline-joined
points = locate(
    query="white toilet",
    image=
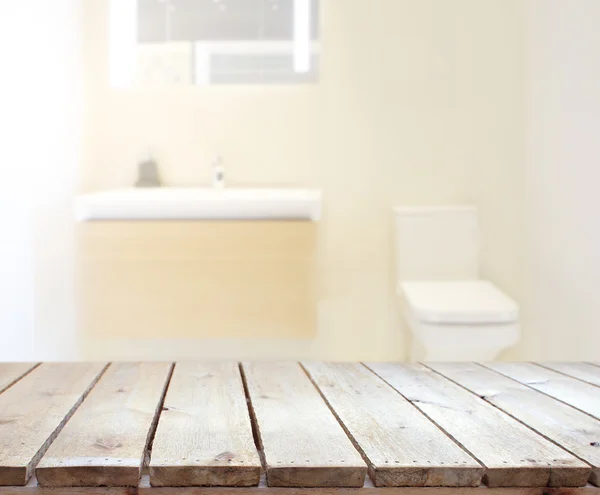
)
(452, 314)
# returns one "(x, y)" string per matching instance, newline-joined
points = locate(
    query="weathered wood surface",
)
(318, 426)
(401, 446)
(34, 410)
(204, 437)
(576, 393)
(512, 454)
(582, 371)
(105, 441)
(303, 443)
(10, 373)
(145, 488)
(573, 430)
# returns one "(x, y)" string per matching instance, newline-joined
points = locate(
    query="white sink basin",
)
(183, 203)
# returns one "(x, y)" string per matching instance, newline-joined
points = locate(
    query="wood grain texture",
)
(573, 430)
(576, 393)
(401, 446)
(303, 444)
(204, 437)
(368, 489)
(512, 454)
(144, 488)
(211, 279)
(33, 411)
(105, 441)
(582, 371)
(10, 373)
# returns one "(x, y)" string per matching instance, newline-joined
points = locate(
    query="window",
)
(206, 42)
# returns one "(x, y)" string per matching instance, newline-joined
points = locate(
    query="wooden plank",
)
(582, 371)
(105, 441)
(383, 491)
(368, 489)
(576, 393)
(33, 411)
(144, 488)
(10, 373)
(401, 446)
(204, 437)
(573, 430)
(303, 444)
(512, 454)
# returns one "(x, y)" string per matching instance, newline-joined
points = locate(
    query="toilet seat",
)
(468, 320)
(469, 302)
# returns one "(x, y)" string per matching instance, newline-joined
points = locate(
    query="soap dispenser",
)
(218, 170)
(148, 175)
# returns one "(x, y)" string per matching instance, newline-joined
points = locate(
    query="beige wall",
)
(419, 102)
(562, 274)
(497, 150)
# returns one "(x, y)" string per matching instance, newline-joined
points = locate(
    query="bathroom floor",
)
(516, 427)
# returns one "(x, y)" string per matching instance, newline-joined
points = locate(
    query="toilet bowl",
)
(458, 321)
(452, 314)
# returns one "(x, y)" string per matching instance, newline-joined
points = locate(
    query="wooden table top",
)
(299, 428)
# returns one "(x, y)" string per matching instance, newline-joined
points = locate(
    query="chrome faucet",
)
(218, 171)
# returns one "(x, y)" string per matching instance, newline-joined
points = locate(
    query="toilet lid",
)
(472, 301)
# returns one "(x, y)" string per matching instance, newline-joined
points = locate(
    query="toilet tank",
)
(436, 243)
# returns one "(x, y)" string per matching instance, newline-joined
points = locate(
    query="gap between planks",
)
(513, 454)
(571, 391)
(11, 373)
(401, 445)
(565, 426)
(106, 441)
(204, 437)
(312, 450)
(154, 425)
(17, 464)
(443, 430)
(585, 372)
(253, 422)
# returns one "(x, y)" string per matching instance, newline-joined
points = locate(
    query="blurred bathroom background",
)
(376, 104)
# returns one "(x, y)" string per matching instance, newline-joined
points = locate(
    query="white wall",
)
(41, 119)
(16, 211)
(16, 280)
(562, 181)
